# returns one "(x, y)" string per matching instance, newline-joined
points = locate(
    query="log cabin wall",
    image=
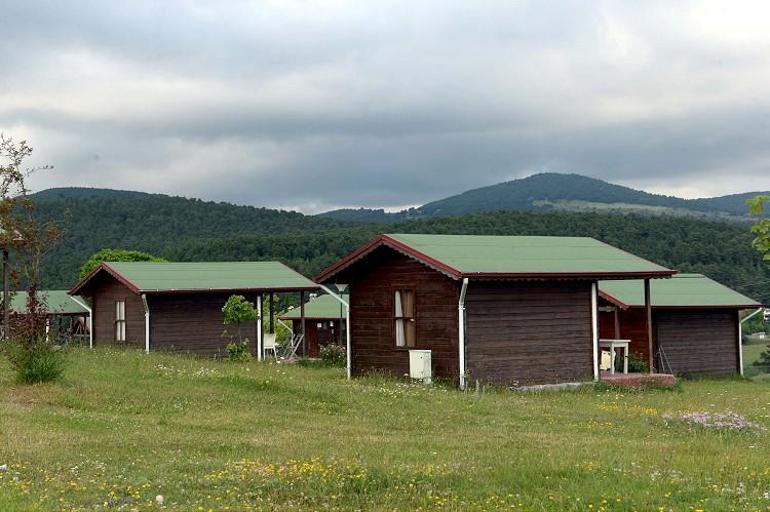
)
(372, 325)
(105, 292)
(193, 323)
(698, 342)
(529, 332)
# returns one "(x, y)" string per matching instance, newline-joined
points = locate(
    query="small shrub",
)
(238, 352)
(764, 359)
(635, 364)
(42, 361)
(333, 355)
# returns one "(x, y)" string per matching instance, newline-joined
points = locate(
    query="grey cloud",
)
(318, 105)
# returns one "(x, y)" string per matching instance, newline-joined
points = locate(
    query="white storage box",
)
(420, 365)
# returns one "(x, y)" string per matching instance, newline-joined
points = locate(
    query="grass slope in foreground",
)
(124, 427)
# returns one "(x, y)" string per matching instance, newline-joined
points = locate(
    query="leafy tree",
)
(238, 311)
(33, 357)
(761, 229)
(761, 243)
(115, 255)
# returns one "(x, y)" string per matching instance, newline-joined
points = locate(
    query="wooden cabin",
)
(696, 323)
(323, 325)
(178, 306)
(505, 309)
(68, 317)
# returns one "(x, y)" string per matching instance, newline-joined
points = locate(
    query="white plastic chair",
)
(268, 343)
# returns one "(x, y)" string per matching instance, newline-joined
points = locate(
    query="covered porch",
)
(622, 356)
(68, 318)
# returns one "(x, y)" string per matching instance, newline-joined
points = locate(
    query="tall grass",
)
(122, 428)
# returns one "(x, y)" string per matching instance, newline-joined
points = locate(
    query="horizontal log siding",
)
(192, 323)
(105, 293)
(699, 342)
(371, 318)
(529, 332)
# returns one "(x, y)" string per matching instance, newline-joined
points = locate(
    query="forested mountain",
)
(181, 229)
(94, 219)
(552, 191)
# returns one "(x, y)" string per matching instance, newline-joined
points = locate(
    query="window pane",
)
(407, 299)
(400, 333)
(409, 335)
(399, 310)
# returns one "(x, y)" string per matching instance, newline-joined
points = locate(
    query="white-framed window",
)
(120, 320)
(403, 315)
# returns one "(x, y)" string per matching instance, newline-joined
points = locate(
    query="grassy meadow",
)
(123, 428)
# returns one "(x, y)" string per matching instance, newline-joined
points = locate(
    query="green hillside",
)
(192, 230)
(97, 218)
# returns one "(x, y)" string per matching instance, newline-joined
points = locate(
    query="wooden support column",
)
(617, 322)
(302, 322)
(272, 312)
(648, 324)
(260, 349)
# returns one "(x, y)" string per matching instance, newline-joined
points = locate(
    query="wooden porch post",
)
(260, 350)
(648, 322)
(617, 323)
(302, 321)
(272, 312)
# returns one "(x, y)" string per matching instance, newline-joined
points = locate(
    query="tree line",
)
(198, 231)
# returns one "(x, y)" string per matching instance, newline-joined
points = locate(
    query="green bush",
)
(238, 352)
(635, 364)
(42, 361)
(333, 355)
(764, 359)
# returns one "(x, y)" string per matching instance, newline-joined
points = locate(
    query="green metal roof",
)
(211, 276)
(325, 307)
(57, 301)
(477, 254)
(682, 290)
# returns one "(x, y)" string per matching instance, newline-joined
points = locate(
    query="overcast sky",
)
(316, 105)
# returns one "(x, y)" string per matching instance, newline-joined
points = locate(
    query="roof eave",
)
(324, 318)
(397, 245)
(77, 289)
(614, 300)
(570, 275)
(230, 290)
(700, 306)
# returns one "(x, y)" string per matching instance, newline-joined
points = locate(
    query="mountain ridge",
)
(181, 229)
(556, 191)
